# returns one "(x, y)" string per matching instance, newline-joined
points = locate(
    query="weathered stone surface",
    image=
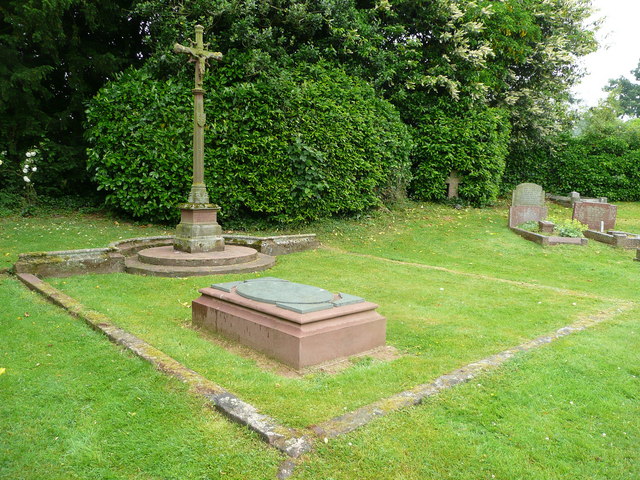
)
(598, 216)
(545, 240)
(135, 266)
(298, 325)
(615, 239)
(453, 182)
(546, 226)
(67, 263)
(526, 213)
(276, 245)
(529, 194)
(198, 230)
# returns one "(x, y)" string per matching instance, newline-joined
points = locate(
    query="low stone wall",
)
(570, 200)
(615, 238)
(545, 240)
(131, 246)
(111, 259)
(67, 263)
(276, 245)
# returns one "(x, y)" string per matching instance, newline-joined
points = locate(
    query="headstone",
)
(528, 194)
(299, 325)
(453, 181)
(598, 216)
(574, 197)
(527, 204)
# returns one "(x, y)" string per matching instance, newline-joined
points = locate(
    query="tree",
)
(508, 65)
(626, 93)
(54, 56)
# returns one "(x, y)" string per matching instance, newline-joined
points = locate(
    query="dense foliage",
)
(600, 159)
(54, 56)
(504, 66)
(472, 142)
(626, 93)
(295, 145)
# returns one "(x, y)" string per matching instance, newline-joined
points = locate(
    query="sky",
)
(619, 51)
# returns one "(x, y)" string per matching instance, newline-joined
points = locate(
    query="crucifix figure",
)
(198, 231)
(199, 56)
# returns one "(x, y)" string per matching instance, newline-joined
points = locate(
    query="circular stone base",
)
(231, 255)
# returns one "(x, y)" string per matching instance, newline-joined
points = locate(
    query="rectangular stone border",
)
(611, 239)
(353, 420)
(548, 241)
(296, 442)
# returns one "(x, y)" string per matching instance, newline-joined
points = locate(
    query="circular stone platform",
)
(167, 262)
(231, 254)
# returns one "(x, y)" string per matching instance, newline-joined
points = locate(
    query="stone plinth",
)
(598, 216)
(198, 230)
(299, 325)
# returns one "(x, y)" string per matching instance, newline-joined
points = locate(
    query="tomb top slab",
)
(296, 297)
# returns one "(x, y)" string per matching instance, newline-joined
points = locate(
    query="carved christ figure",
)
(199, 56)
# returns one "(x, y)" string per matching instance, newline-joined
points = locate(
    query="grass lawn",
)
(455, 286)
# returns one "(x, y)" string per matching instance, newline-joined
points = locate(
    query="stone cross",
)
(199, 56)
(453, 180)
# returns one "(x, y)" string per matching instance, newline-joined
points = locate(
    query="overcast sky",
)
(619, 50)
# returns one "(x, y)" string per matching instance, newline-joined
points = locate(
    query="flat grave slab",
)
(298, 325)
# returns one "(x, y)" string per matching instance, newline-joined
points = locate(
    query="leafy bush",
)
(601, 160)
(568, 228)
(293, 146)
(471, 141)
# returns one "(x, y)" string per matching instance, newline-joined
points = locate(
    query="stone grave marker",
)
(453, 181)
(527, 204)
(299, 325)
(598, 216)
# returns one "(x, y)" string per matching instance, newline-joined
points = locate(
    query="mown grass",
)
(65, 230)
(74, 406)
(567, 411)
(440, 319)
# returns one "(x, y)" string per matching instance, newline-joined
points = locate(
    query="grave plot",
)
(528, 218)
(437, 321)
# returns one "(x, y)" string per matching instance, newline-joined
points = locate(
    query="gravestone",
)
(453, 181)
(299, 325)
(527, 204)
(598, 216)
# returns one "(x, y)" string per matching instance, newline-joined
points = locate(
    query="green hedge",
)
(604, 165)
(471, 141)
(295, 146)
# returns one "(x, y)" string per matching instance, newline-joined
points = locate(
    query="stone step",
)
(133, 265)
(166, 255)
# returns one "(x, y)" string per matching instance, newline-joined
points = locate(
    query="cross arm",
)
(196, 52)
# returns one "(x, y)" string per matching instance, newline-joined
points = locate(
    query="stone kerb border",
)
(296, 442)
(545, 240)
(290, 441)
(571, 199)
(615, 238)
(111, 259)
